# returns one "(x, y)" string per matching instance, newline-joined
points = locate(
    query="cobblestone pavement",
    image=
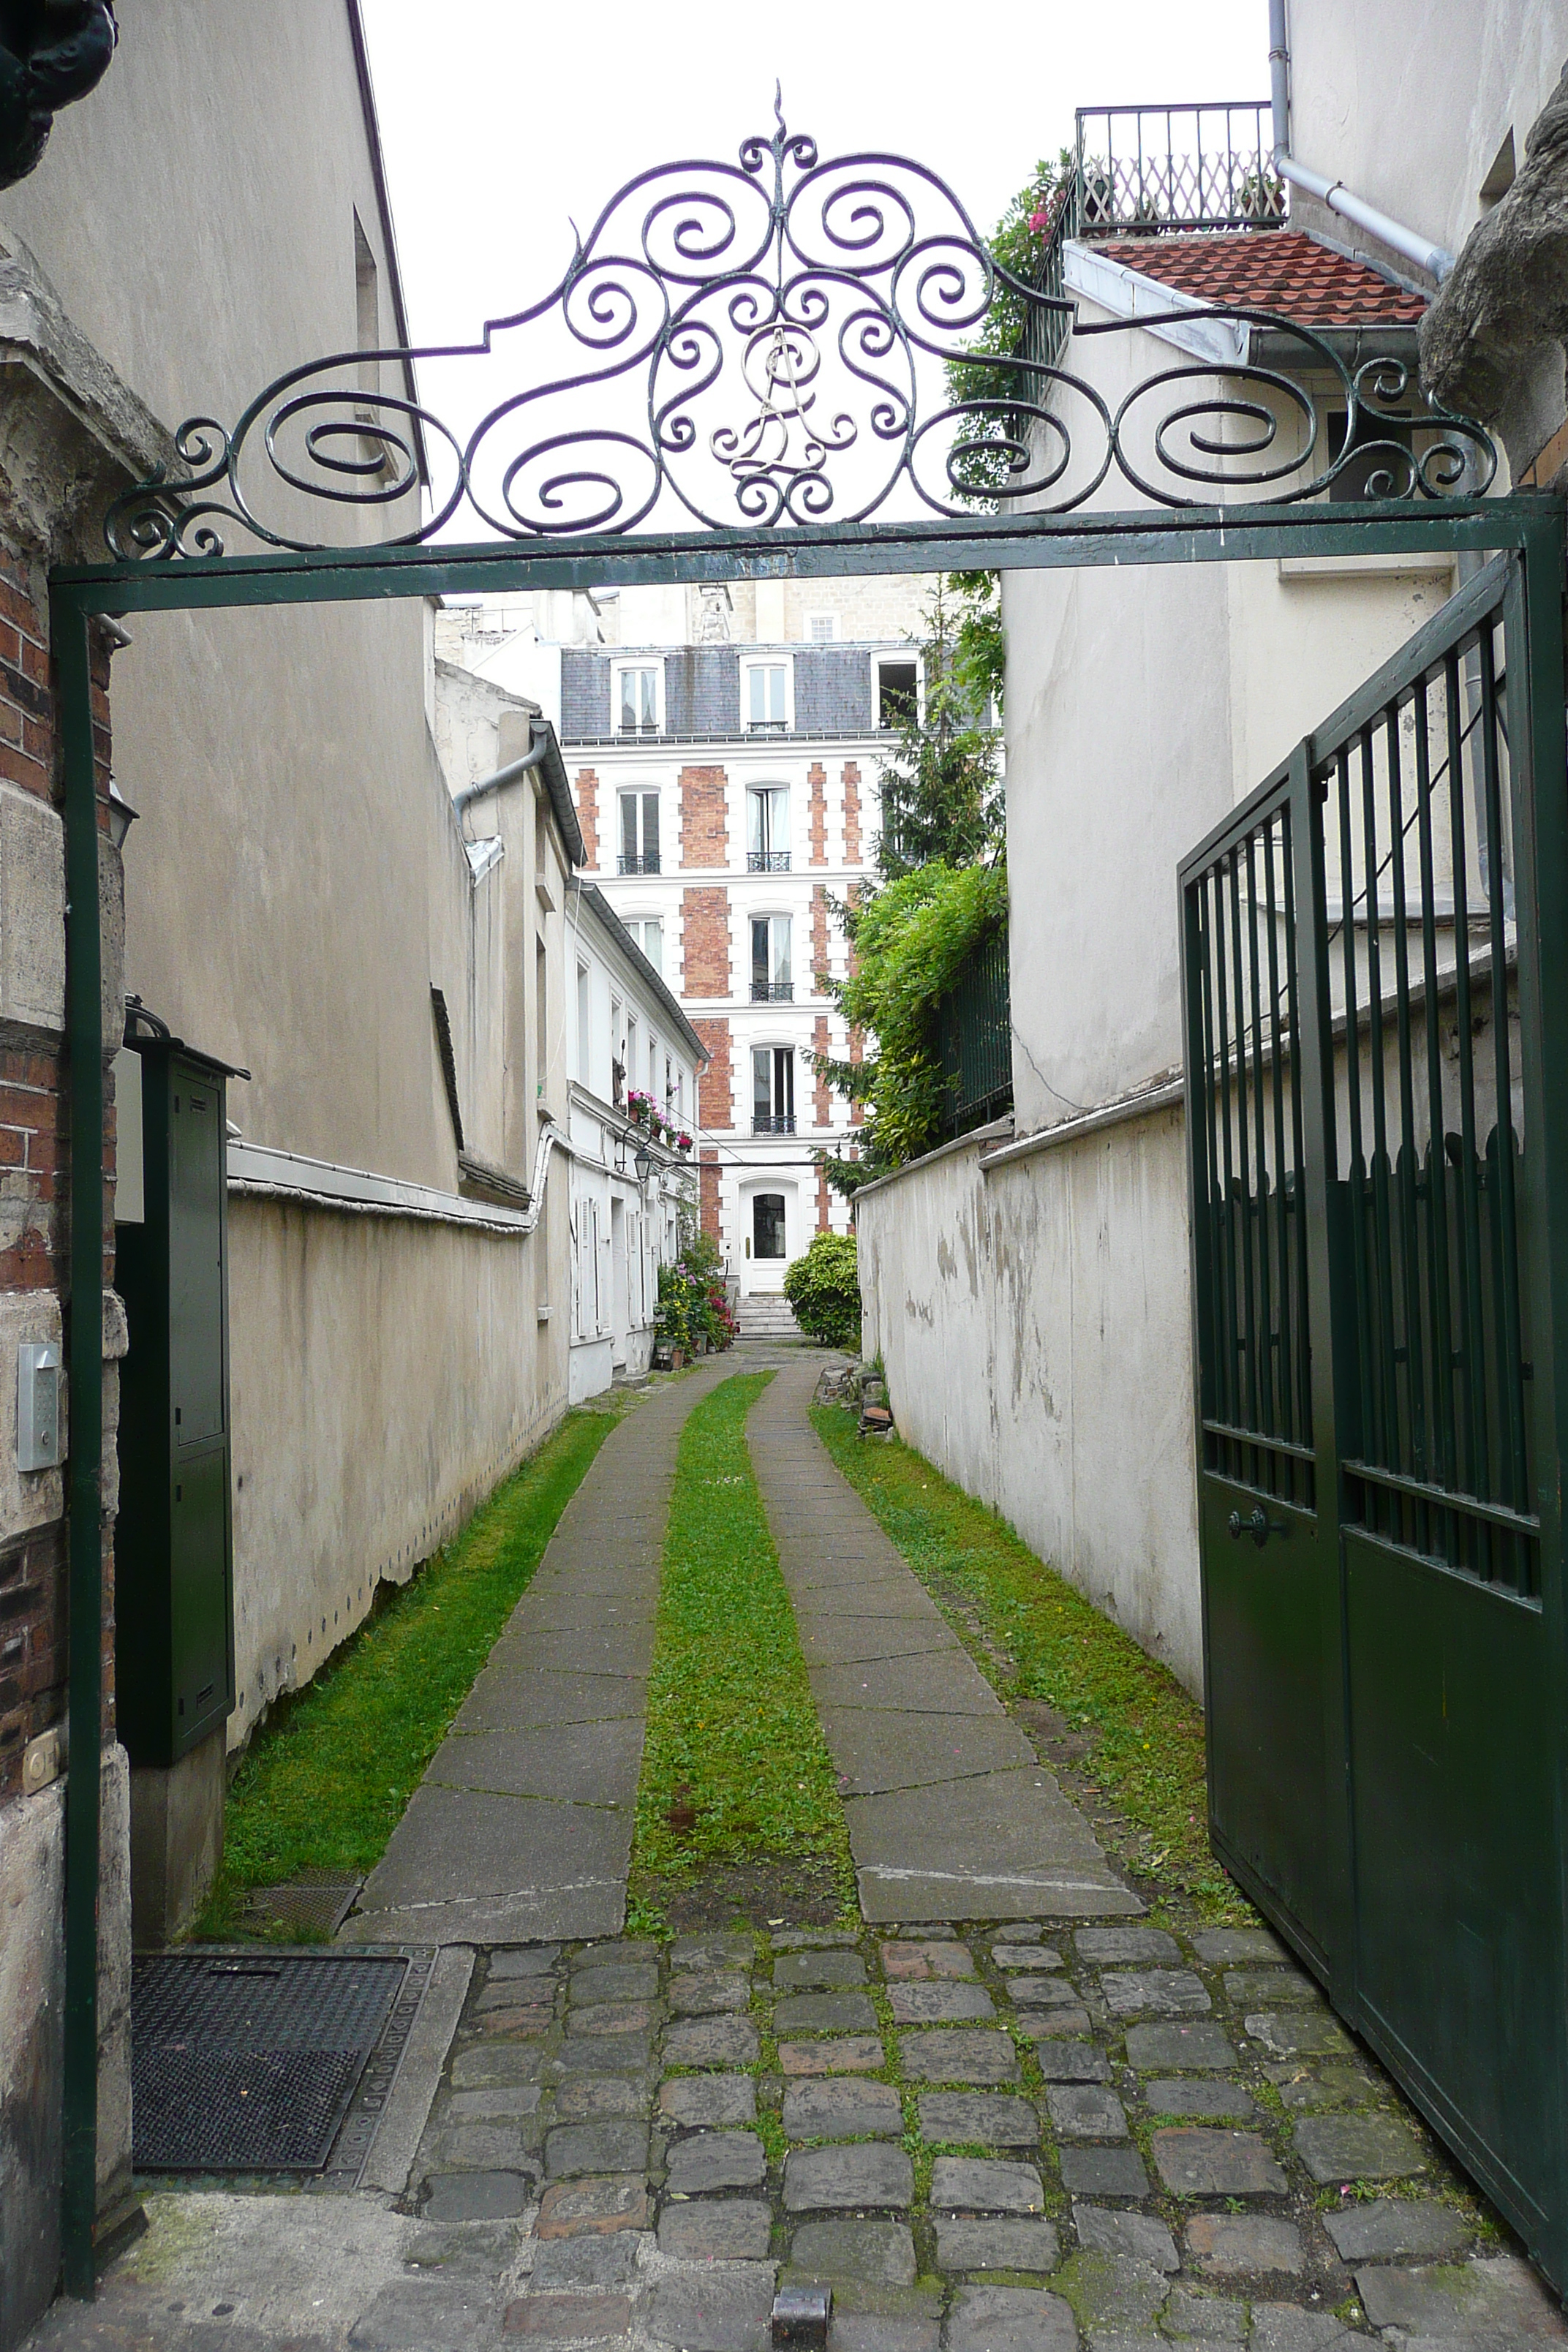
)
(1018, 2141)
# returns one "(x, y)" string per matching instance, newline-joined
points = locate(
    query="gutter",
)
(1436, 259)
(544, 752)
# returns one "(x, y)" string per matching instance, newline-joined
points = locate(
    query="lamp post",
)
(642, 1161)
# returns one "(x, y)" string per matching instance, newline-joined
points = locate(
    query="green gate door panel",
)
(1454, 1835)
(196, 1179)
(1272, 1628)
(201, 1615)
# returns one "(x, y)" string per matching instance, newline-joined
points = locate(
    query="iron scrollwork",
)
(755, 345)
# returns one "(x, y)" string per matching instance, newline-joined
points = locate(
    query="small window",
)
(767, 1225)
(772, 1091)
(639, 832)
(821, 628)
(898, 694)
(772, 982)
(649, 932)
(638, 699)
(584, 1033)
(767, 829)
(617, 1052)
(767, 698)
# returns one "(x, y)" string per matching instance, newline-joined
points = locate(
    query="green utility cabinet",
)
(174, 1543)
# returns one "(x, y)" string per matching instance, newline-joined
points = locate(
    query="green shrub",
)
(823, 1289)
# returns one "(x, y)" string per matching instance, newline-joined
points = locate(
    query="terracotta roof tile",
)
(1270, 270)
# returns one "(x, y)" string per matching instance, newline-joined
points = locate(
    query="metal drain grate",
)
(246, 2062)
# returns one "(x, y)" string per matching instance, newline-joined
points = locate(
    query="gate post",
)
(1533, 628)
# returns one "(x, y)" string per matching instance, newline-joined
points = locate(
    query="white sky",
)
(520, 118)
(510, 115)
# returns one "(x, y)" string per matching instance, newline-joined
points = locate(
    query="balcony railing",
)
(767, 861)
(767, 726)
(773, 992)
(974, 1039)
(646, 864)
(1177, 167)
(1144, 169)
(772, 1122)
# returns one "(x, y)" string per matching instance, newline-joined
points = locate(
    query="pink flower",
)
(1037, 220)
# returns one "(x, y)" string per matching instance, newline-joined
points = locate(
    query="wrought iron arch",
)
(764, 345)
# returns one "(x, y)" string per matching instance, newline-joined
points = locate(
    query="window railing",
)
(1183, 167)
(974, 1038)
(767, 726)
(637, 727)
(772, 1122)
(646, 864)
(767, 861)
(773, 992)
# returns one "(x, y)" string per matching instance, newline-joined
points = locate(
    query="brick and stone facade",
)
(705, 941)
(585, 787)
(851, 813)
(715, 1107)
(704, 836)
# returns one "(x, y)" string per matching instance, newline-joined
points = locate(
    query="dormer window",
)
(767, 696)
(638, 697)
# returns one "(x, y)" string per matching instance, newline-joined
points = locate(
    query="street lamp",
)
(122, 815)
(643, 1162)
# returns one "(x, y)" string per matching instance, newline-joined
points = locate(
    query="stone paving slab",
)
(992, 1841)
(470, 1865)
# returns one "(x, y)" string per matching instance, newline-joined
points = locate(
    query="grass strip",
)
(734, 1766)
(1145, 1734)
(324, 1782)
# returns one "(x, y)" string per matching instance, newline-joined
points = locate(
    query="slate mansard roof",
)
(1270, 270)
(833, 688)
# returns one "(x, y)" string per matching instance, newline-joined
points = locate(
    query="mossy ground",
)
(735, 1768)
(324, 1783)
(1139, 1735)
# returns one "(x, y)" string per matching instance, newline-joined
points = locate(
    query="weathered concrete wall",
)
(1409, 104)
(1034, 1321)
(356, 1456)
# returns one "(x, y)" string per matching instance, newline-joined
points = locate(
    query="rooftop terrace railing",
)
(1143, 168)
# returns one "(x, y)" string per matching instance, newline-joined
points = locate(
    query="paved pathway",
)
(522, 1824)
(950, 1814)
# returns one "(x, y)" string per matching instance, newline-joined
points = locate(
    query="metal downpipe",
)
(503, 776)
(69, 631)
(1435, 258)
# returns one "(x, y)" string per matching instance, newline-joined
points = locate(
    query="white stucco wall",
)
(1033, 1321)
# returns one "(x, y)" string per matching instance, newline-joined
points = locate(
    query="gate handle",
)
(1257, 1525)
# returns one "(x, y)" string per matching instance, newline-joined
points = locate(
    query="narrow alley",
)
(1012, 2110)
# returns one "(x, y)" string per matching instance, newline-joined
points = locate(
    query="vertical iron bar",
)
(1507, 1325)
(84, 1030)
(1357, 1185)
(1222, 1040)
(1268, 1420)
(1281, 1199)
(1242, 1155)
(1409, 1242)
(1385, 1391)
(1476, 1473)
(1303, 1366)
(1443, 1455)
(1217, 1226)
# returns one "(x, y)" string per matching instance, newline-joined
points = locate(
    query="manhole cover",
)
(246, 2062)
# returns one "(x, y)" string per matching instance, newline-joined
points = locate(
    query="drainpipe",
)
(1436, 259)
(84, 1375)
(502, 777)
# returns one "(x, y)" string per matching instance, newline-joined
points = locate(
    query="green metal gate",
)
(1376, 1015)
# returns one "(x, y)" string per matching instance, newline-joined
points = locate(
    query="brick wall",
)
(817, 777)
(713, 1105)
(708, 1190)
(856, 1054)
(704, 827)
(705, 941)
(34, 1171)
(587, 795)
(824, 1201)
(822, 1094)
(852, 814)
